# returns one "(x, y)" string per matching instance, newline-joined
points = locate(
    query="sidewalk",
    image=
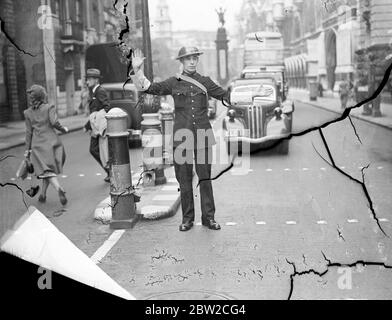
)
(333, 105)
(156, 202)
(12, 134)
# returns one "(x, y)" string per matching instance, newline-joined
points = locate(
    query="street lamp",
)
(150, 123)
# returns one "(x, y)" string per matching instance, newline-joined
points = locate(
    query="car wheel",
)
(283, 147)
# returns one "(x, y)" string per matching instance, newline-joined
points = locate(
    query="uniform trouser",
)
(94, 151)
(203, 160)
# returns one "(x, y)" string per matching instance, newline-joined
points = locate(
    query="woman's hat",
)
(188, 51)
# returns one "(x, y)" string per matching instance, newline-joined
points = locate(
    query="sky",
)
(198, 14)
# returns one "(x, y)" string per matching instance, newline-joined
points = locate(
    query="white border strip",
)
(107, 246)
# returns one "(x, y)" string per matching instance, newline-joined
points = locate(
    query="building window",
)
(55, 7)
(78, 11)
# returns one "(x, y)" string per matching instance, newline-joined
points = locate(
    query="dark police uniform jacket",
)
(191, 108)
(99, 100)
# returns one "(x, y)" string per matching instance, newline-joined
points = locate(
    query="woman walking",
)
(47, 152)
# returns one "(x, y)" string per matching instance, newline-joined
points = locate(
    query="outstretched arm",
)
(140, 80)
(217, 92)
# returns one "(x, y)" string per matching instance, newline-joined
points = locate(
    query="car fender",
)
(278, 126)
(288, 107)
(227, 124)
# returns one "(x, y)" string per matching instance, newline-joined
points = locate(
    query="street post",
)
(121, 190)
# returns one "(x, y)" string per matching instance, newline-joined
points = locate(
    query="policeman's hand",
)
(137, 60)
(66, 130)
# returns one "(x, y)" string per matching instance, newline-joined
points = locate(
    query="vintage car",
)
(126, 98)
(257, 117)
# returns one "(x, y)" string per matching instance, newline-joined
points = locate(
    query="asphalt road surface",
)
(290, 224)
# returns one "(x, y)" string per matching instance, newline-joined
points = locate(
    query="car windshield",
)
(122, 94)
(259, 90)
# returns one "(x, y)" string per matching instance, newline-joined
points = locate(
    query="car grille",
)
(255, 121)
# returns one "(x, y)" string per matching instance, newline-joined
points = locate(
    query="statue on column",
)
(221, 15)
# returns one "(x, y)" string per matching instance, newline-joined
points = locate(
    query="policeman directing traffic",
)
(192, 132)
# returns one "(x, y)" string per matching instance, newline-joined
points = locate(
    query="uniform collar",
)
(192, 75)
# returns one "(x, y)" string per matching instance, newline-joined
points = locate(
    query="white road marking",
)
(268, 170)
(287, 169)
(305, 169)
(107, 246)
(321, 222)
(323, 169)
(99, 174)
(291, 222)
(352, 220)
(12, 179)
(63, 176)
(342, 167)
(231, 223)
(379, 168)
(261, 222)
(81, 175)
(170, 188)
(383, 220)
(165, 197)
(147, 211)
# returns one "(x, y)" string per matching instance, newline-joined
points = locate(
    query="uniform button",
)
(193, 100)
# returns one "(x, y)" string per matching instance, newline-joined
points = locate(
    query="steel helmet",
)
(188, 51)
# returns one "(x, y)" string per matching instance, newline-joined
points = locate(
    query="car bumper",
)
(258, 141)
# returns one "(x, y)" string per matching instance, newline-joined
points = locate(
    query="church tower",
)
(163, 23)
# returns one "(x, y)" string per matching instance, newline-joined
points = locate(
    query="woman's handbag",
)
(26, 167)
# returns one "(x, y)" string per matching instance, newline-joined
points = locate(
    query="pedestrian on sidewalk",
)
(47, 152)
(192, 130)
(344, 92)
(99, 102)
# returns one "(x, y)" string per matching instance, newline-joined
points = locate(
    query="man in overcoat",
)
(192, 132)
(98, 100)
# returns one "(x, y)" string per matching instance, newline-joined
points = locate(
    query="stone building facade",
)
(327, 41)
(56, 34)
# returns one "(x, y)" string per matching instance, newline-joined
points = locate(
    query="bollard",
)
(152, 150)
(121, 190)
(313, 89)
(167, 134)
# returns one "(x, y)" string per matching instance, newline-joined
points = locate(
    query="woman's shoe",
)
(63, 199)
(42, 198)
